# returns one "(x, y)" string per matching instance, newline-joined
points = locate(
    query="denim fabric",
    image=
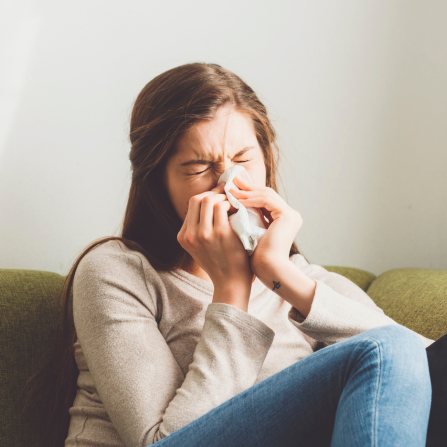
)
(372, 389)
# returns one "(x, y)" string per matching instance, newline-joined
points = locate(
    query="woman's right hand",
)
(207, 236)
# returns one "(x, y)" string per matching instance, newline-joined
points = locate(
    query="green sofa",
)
(29, 308)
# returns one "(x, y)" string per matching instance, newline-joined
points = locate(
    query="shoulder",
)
(115, 254)
(335, 281)
(111, 267)
(111, 248)
(317, 272)
(299, 260)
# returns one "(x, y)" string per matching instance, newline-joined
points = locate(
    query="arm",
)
(140, 383)
(336, 309)
(330, 310)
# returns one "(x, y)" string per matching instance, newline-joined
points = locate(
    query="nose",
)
(223, 166)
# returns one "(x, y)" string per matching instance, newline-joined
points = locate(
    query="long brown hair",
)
(166, 107)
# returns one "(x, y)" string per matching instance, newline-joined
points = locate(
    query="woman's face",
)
(209, 148)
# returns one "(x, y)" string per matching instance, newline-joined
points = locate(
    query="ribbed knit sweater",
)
(154, 353)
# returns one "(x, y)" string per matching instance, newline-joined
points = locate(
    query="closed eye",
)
(201, 172)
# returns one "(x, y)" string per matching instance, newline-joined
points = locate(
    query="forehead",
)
(227, 131)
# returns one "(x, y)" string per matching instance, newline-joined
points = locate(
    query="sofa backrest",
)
(29, 324)
(415, 298)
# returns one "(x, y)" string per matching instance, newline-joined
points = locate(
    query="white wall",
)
(357, 90)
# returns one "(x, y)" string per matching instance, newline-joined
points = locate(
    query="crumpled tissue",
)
(249, 224)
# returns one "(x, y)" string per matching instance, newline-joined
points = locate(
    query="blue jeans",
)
(372, 389)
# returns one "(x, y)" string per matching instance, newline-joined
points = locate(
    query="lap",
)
(297, 403)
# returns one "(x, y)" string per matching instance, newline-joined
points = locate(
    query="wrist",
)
(233, 293)
(290, 283)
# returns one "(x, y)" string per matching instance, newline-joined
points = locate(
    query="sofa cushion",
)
(360, 277)
(415, 298)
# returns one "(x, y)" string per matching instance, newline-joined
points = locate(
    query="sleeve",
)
(340, 308)
(140, 383)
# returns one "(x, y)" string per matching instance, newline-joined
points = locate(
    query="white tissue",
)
(248, 223)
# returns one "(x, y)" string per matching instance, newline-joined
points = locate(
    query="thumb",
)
(219, 187)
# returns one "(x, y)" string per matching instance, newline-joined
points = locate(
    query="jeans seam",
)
(375, 407)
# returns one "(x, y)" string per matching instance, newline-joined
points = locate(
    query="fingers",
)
(265, 192)
(244, 184)
(261, 202)
(207, 211)
(267, 199)
(219, 187)
(195, 203)
(221, 215)
(200, 214)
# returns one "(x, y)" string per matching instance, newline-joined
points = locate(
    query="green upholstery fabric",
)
(415, 298)
(360, 277)
(29, 324)
(28, 328)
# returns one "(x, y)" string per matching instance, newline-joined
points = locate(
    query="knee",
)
(401, 348)
(396, 336)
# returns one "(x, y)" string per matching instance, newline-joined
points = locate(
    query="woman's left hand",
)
(284, 222)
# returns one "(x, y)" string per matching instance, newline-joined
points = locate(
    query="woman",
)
(181, 338)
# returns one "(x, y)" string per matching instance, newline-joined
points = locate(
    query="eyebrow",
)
(202, 161)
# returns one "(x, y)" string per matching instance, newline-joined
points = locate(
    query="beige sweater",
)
(154, 353)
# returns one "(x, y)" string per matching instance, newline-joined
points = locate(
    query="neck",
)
(200, 273)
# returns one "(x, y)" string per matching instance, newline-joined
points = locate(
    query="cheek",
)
(180, 199)
(178, 194)
(257, 173)
(186, 190)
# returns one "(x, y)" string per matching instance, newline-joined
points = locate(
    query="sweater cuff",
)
(318, 306)
(243, 318)
(334, 317)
